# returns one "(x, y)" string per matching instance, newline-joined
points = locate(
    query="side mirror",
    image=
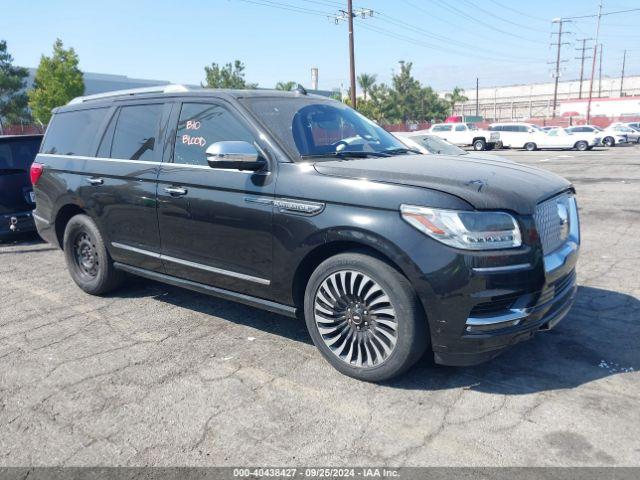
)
(234, 155)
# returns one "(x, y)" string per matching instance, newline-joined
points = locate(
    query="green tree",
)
(58, 80)
(456, 96)
(230, 75)
(288, 86)
(366, 81)
(13, 99)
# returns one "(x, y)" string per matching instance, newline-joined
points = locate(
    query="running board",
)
(256, 302)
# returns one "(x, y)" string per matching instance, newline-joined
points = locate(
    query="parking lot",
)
(156, 375)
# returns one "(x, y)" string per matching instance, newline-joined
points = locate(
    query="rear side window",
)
(202, 124)
(461, 128)
(74, 133)
(18, 154)
(136, 132)
(442, 128)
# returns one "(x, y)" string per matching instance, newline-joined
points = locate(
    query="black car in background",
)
(17, 153)
(299, 205)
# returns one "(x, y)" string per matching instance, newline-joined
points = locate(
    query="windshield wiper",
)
(347, 155)
(401, 150)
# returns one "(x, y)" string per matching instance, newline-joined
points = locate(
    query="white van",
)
(515, 135)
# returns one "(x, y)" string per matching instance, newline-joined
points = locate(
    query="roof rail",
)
(170, 88)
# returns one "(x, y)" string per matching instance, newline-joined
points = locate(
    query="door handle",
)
(176, 191)
(95, 181)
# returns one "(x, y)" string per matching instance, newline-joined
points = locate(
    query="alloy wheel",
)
(355, 318)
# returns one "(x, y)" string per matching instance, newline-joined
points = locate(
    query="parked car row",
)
(532, 137)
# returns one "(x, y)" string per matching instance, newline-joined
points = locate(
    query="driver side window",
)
(202, 124)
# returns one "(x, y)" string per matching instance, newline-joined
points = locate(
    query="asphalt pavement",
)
(156, 375)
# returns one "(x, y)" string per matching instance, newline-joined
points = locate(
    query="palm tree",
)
(366, 81)
(456, 96)
(286, 86)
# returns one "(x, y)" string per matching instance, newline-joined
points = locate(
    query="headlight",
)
(466, 230)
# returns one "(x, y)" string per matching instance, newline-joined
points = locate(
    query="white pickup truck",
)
(466, 134)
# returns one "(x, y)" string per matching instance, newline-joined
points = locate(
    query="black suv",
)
(298, 204)
(17, 153)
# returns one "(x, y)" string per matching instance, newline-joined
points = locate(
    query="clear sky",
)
(450, 42)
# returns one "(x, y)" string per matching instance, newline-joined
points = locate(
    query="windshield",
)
(436, 145)
(317, 127)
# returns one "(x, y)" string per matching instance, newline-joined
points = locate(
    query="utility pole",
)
(600, 74)
(593, 63)
(349, 15)
(624, 60)
(352, 61)
(478, 101)
(560, 22)
(582, 58)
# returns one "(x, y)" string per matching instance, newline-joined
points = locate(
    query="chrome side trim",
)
(511, 316)
(102, 159)
(506, 268)
(147, 162)
(136, 250)
(289, 205)
(297, 206)
(200, 266)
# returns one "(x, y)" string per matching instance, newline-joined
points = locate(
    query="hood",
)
(486, 184)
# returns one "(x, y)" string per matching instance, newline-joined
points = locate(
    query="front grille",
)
(552, 221)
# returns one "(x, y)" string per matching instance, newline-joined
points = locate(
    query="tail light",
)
(35, 172)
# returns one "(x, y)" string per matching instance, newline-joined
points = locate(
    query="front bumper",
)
(504, 299)
(17, 222)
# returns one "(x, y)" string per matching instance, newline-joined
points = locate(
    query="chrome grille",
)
(553, 231)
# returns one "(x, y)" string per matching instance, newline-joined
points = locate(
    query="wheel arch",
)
(343, 241)
(65, 213)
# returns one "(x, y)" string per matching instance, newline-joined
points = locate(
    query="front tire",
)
(530, 146)
(479, 145)
(609, 141)
(364, 317)
(88, 261)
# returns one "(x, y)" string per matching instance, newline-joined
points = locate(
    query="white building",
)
(518, 102)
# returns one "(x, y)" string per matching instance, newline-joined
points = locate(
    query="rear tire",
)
(609, 141)
(88, 261)
(530, 146)
(364, 317)
(479, 145)
(582, 146)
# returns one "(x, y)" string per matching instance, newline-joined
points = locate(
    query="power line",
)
(459, 12)
(502, 5)
(494, 16)
(421, 43)
(287, 6)
(604, 14)
(384, 17)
